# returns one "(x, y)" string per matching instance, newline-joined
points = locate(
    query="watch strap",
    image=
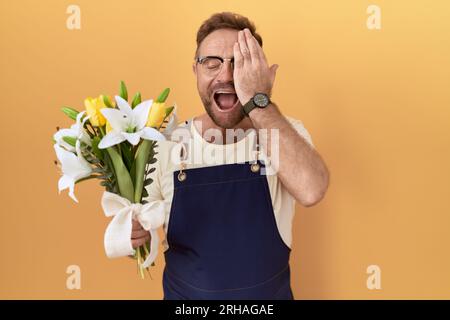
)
(249, 106)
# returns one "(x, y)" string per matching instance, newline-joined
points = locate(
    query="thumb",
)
(274, 68)
(273, 71)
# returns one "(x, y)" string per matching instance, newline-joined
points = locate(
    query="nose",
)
(225, 73)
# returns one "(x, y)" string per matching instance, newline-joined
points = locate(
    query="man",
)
(228, 226)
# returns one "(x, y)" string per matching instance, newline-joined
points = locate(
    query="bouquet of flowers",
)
(115, 143)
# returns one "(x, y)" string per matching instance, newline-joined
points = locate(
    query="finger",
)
(243, 46)
(251, 43)
(238, 58)
(139, 234)
(137, 225)
(139, 242)
(261, 53)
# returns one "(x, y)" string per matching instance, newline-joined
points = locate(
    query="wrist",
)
(270, 109)
(259, 101)
(246, 99)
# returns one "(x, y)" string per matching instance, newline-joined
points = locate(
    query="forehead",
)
(219, 43)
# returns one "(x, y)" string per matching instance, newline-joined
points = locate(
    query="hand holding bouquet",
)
(115, 143)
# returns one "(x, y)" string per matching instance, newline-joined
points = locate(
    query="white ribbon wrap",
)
(118, 233)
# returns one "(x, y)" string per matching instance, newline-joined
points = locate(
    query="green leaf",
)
(169, 111)
(148, 181)
(98, 153)
(136, 100)
(93, 160)
(108, 162)
(124, 181)
(70, 140)
(163, 96)
(127, 155)
(133, 173)
(104, 183)
(142, 154)
(105, 176)
(107, 102)
(123, 91)
(70, 112)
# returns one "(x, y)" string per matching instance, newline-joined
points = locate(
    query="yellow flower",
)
(93, 107)
(108, 127)
(156, 114)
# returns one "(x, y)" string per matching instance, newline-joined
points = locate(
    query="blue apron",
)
(223, 239)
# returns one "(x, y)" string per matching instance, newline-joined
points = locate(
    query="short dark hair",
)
(225, 20)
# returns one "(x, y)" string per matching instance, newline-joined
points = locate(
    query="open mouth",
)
(226, 101)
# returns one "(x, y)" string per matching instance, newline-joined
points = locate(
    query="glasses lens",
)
(211, 65)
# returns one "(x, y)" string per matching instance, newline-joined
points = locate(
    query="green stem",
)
(145, 257)
(102, 131)
(139, 261)
(87, 178)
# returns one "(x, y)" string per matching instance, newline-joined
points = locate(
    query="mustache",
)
(223, 87)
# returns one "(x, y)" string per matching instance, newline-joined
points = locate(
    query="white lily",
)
(128, 124)
(75, 131)
(74, 167)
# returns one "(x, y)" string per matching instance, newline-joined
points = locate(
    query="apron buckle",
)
(182, 174)
(255, 167)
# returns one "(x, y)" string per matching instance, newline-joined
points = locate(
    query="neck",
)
(204, 122)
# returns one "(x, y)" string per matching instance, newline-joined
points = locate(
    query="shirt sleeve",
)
(301, 130)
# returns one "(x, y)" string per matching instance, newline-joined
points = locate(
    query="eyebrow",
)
(212, 56)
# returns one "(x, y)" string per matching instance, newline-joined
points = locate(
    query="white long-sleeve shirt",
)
(204, 154)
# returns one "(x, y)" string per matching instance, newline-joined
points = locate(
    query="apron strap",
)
(254, 164)
(183, 157)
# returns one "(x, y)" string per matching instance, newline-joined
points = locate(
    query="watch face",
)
(261, 100)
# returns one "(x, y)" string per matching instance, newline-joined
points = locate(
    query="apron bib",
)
(223, 239)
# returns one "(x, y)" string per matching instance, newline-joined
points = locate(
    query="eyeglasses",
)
(212, 65)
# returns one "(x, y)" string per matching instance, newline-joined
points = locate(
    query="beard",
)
(226, 120)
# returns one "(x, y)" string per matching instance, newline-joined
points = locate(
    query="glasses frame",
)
(201, 59)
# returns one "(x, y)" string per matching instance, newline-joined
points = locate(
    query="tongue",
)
(226, 100)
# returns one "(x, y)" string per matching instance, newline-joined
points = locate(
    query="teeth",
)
(224, 92)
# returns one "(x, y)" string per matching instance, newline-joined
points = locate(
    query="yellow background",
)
(376, 103)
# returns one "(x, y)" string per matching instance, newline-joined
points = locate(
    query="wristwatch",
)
(259, 100)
